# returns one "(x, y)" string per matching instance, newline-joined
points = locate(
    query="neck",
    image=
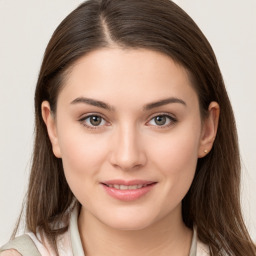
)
(168, 236)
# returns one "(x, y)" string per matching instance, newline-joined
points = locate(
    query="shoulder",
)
(22, 245)
(10, 252)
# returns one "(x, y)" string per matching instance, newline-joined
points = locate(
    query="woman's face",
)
(129, 133)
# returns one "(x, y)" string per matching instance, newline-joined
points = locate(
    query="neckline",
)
(76, 243)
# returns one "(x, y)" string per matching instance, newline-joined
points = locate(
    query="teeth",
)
(124, 187)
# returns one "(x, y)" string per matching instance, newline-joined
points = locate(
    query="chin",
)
(129, 226)
(129, 221)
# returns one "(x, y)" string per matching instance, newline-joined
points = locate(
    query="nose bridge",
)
(128, 152)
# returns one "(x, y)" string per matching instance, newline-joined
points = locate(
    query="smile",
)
(124, 187)
(128, 190)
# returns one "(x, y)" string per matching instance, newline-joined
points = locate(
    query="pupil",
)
(95, 120)
(160, 120)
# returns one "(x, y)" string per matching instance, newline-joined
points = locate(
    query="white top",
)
(69, 244)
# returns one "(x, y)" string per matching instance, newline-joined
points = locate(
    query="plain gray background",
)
(26, 27)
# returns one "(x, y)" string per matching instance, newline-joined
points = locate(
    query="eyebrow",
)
(164, 102)
(96, 103)
(101, 104)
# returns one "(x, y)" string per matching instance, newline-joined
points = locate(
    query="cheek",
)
(176, 151)
(82, 160)
(176, 158)
(78, 152)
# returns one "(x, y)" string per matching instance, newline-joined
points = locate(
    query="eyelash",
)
(172, 121)
(83, 121)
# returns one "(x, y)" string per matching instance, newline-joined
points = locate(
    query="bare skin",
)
(130, 115)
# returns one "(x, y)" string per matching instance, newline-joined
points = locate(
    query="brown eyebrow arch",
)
(164, 102)
(101, 104)
(96, 103)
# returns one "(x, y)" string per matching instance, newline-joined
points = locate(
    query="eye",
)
(162, 120)
(93, 121)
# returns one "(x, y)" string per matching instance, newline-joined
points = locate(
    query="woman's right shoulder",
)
(22, 245)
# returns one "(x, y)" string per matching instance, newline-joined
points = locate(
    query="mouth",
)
(124, 187)
(128, 190)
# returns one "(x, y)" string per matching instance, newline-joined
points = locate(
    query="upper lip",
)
(128, 182)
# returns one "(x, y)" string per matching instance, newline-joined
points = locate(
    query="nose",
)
(127, 150)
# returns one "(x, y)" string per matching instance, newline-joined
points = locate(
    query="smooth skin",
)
(107, 126)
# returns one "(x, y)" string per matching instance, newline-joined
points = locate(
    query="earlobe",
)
(209, 129)
(51, 127)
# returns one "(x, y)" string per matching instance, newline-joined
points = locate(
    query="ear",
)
(50, 123)
(209, 129)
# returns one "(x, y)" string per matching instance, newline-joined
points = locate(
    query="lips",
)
(128, 190)
(124, 187)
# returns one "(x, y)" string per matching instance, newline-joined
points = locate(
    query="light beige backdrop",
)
(26, 27)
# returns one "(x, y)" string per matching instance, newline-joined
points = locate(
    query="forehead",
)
(140, 75)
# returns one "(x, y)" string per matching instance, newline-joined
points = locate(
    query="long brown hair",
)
(213, 201)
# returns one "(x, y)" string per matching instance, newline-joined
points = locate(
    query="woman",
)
(136, 147)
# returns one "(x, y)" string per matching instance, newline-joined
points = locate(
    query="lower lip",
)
(129, 194)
